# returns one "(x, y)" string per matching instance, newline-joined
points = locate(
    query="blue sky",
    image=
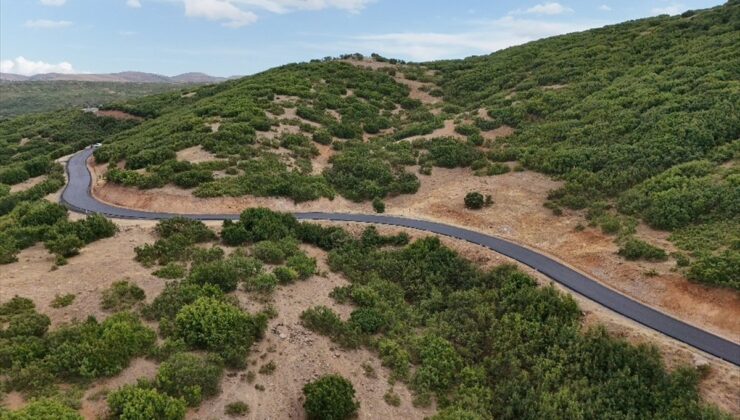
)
(237, 37)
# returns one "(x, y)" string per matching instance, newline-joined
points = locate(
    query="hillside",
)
(19, 98)
(614, 150)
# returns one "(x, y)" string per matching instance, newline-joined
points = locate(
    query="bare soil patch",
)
(503, 131)
(195, 154)
(30, 182)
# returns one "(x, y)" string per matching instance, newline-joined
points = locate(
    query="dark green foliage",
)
(378, 205)
(214, 325)
(262, 283)
(171, 271)
(274, 252)
(193, 230)
(474, 200)
(450, 153)
(636, 249)
(285, 275)
(65, 246)
(363, 172)
(177, 295)
(222, 274)
(190, 376)
(330, 397)
(121, 295)
(494, 344)
(42, 409)
(62, 301)
(236, 409)
(303, 265)
(722, 269)
(326, 322)
(131, 402)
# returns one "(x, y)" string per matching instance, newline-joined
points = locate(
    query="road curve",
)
(77, 196)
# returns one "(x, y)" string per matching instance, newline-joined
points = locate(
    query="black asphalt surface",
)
(77, 197)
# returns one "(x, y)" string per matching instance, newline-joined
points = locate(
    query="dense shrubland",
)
(644, 113)
(482, 343)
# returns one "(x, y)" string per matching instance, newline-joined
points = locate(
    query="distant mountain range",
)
(122, 77)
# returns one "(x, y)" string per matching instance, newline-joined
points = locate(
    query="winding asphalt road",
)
(77, 197)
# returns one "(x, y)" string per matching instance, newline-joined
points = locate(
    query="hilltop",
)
(121, 77)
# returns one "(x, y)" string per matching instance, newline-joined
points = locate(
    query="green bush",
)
(211, 324)
(130, 402)
(440, 364)
(121, 295)
(194, 230)
(262, 283)
(42, 409)
(65, 246)
(218, 273)
(722, 269)
(330, 397)
(171, 271)
(367, 320)
(43, 213)
(474, 200)
(61, 301)
(303, 265)
(378, 205)
(636, 249)
(285, 275)
(236, 408)
(176, 295)
(270, 252)
(191, 377)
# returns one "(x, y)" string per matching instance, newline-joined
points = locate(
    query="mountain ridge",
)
(119, 77)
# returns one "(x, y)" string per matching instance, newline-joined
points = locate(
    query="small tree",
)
(474, 200)
(378, 205)
(130, 402)
(331, 397)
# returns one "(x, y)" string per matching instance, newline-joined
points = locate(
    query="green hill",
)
(640, 119)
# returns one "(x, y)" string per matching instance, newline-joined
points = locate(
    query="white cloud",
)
(47, 24)
(28, 68)
(548, 9)
(486, 37)
(285, 6)
(237, 13)
(673, 9)
(219, 10)
(53, 2)
(605, 8)
(133, 3)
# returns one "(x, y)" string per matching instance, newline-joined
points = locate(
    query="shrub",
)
(26, 323)
(61, 301)
(367, 320)
(262, 283)
(171, 271)
(65, 246)
(394, 357)
(722, 269)
(191, 179)
(304, 265)
(330, 397)
(236, 408)
(130, 402)
(285, 275)
(94, 227)
(474, 200)
(13, 176)
(218, 273)
(176, 295)
(194, 230)
(269, 252)
(42, 409)
(440, 364)
(635, 249)
(191, 377)
(121, 295)
(268, 368)
(43, 213)
(378, 205)
(211, 324)
(322, 137)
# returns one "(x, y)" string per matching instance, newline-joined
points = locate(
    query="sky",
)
(240, 37)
